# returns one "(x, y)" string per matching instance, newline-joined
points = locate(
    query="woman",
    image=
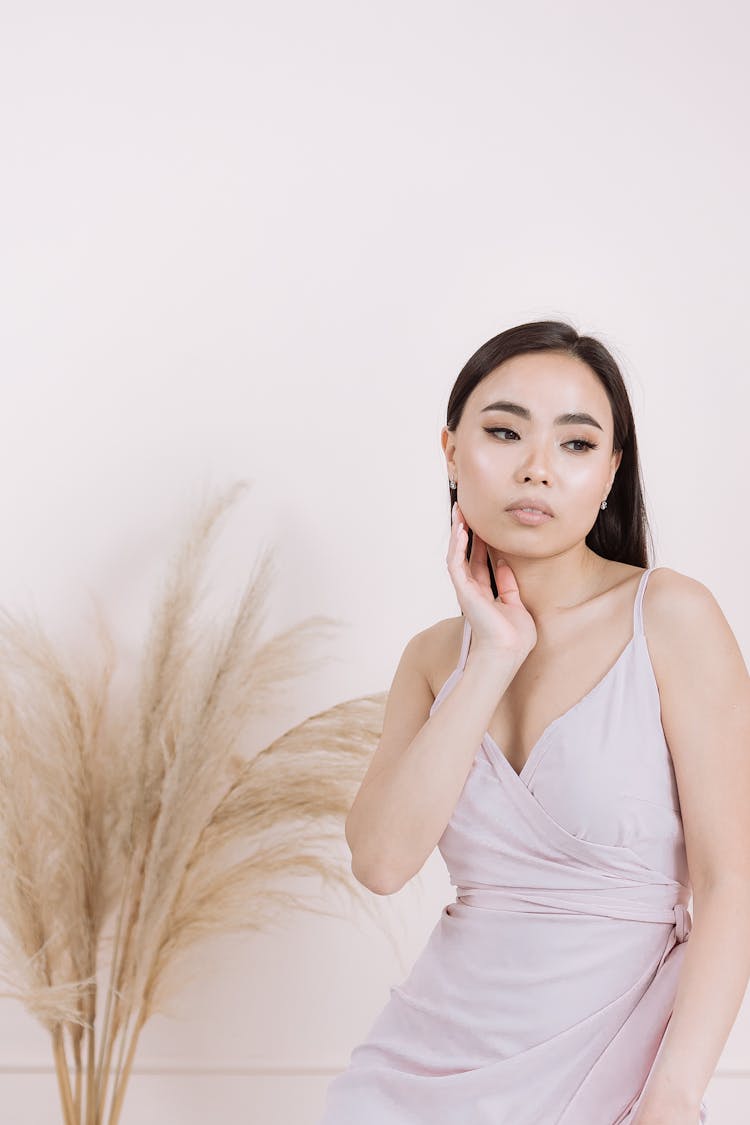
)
(576, 746)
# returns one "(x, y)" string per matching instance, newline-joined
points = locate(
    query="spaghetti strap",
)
(638, 629)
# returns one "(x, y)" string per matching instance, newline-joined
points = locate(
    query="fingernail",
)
(453, 511)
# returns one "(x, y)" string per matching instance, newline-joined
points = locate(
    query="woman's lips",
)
(531, 519)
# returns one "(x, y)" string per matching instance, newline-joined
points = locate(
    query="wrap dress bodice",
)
(544, 990)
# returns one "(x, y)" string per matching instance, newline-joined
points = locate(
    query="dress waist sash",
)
(660, 907)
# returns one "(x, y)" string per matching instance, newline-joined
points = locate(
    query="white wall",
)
(260, 240)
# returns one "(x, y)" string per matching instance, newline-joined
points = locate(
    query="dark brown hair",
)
(621, 529)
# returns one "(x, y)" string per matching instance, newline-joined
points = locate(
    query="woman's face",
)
(500, 456)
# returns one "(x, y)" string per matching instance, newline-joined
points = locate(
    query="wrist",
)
(500, 663)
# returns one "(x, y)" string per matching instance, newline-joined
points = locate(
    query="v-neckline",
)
(489, 743)
(522, 774)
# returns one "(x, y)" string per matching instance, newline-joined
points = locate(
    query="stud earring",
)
(603, 504)
(453, 484)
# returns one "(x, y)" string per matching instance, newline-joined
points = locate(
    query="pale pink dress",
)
(544, 990)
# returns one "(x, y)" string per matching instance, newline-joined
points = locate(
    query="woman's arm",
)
(704, 689)
(420, 765)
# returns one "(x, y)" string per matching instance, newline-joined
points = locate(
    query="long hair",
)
(621, 529)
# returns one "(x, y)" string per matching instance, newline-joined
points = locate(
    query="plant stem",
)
(77, 1095)
(63, 1077)
(78, 1090)
(122, 1032)
(126, 1028)
(104, 1046)
(91, 1106)
(119, 1089)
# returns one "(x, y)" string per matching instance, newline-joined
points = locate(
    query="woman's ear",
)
(615, 463)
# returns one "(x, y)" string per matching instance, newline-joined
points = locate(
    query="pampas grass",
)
(144, 816)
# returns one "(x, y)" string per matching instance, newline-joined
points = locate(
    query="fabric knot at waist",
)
(647, 903)
(683, 921)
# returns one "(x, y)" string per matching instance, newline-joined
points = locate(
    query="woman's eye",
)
(574, 441)
(501, 429)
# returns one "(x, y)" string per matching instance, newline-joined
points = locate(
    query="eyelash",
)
(578, 441)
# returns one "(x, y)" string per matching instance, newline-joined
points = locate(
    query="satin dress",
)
(544, 990)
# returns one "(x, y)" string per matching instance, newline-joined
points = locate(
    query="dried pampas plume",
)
(128, 815)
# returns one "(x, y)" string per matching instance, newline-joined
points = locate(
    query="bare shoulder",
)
(437, 648)
(410, 696)
(680, 611)
(670, 594)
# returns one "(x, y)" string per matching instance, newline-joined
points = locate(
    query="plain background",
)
(259, 241)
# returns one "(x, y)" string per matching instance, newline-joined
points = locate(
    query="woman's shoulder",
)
(680, 611)
(439, 647)
(670, 594)
(699, 667)
(665, 585)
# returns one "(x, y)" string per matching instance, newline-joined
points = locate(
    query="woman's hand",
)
(500, 625)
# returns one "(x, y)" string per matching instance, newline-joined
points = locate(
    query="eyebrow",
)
(575, 418)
